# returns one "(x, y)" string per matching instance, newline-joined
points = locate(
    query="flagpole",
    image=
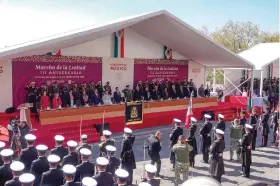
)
(81, 126)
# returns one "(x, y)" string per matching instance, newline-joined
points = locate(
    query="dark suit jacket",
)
(71, 158)
(5, 173)
(72, 184)
(173, 94)
(27, 156)
(137, 95)
(96, 99)
(117, 97)
(60, 151)
(14, 182)
(85, 169)
(38, 167)
(104, 179)
(53, 177)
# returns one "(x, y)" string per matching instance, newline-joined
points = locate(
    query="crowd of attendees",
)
(86, 94)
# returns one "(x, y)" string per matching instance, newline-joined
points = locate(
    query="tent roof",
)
(160, 26)
(262, 54)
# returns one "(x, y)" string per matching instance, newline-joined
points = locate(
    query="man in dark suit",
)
(17, 168)
(72, 157)
(114, 162)
(154, 149)
(103, 177)
(117, 96)
(69, 175)
(127, 155)
(83, 144)
(86, 168)
(5, 170)
(96, 97)
(59, 150)
(53, 177)
(155, 94)
(205, 134)
(29, 154)
(40, 165)
(173, 138)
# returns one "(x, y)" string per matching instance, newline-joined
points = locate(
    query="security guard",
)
(253, 121)
(28, 155)
(192, 141)
(103, 177)
(173, 138)
(59, 150)
(5, 170)
(127, 157)
(121, 177)
(27, 179)
(69, 175)
(217, 168)
(88, 181)
(2, 145)
(205, 138)
(17, 168)
(40, 165)
(265, 128)
(72, 157)
(154, 149)
(150, 171)
(246, 156)
(54, 176)
(114, 162)
(106, 141)
(86, 168)
(83, 144)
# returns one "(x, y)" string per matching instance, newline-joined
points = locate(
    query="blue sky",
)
(26, 20)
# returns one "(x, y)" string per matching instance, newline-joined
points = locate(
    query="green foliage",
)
(219, 76)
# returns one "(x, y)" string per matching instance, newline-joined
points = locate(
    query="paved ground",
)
(264, 165)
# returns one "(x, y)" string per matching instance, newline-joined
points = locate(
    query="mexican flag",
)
(56, 53)
(167, 52)
(249, 101)
(119, 44)
(189, 114)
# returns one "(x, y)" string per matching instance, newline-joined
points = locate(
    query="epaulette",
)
(100, 144)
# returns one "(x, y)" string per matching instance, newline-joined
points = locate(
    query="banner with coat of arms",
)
(134, 113)
(167, 52)
(119, 44)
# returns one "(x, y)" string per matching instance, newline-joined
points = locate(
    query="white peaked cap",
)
(193, 119)
(41, 147)
(121, 173)
(59, 138)
(30, 137)
(150, 168)
(127, 130)
(221, 116)
(107, 133)
(2, 144)
(69, 169)
(102, 161)
(72, 143)
(144, 184)
(111, 148)
(88, 181)
(84, 136)
(219, 131)
(7, 152)
(177, 120)
(248, 126)
(53, 158)
(26, 178)
(207, 116)
(85, 151)
(17, 166)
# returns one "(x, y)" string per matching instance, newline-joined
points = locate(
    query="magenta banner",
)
(157, 69)
(47, 69)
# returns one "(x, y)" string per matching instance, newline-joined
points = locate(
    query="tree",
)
(267, 37)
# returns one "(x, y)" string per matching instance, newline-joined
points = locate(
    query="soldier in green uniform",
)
(236, 131)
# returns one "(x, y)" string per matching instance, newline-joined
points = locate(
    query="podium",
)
(25, 113)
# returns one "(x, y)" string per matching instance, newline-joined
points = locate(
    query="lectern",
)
(25, 113)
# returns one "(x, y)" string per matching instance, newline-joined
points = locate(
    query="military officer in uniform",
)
(72, 157)
(220, 125)
(265, 128)
(17, 168)
(246, 157)
(150, 171)
(83, 144)
(69, 175)
(114, 162)
(253, 121)
(243, 119)
(121, 177)
(192, 141)
(27, 179)
(53, 177)
(40, 165)
(217, 168)
(130, 136)
(88, 181)
(206, 138)
(103, 177)
(154, 148)
(106, 141)
(173, 138)
(59, 150)
(127, 157)
(5, 170)
(29, 154)
(86, 168)
(2, 145)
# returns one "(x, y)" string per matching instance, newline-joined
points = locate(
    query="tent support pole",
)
(261, 83)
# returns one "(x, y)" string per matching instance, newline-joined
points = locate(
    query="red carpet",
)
(71, 130)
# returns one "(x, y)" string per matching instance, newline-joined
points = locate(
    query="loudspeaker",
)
(10, 110)
(209, 112)
(99, 127)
